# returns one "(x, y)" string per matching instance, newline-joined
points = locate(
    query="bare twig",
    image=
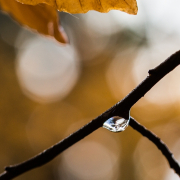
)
(122, 109)
(158, 142)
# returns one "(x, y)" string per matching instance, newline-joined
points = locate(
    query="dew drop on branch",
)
(116, 124)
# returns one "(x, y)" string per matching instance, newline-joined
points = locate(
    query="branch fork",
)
(121, 109)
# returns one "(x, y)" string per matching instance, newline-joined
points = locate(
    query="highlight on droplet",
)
(116, 124)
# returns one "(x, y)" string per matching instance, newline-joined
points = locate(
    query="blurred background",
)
(48, 91)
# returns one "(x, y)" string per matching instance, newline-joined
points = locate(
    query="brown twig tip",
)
(151, 71)
(7, 168)
(119, 109)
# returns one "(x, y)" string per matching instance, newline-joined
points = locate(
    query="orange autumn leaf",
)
(83, 6)
(42, 18)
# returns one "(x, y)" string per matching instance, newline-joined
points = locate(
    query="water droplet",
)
(116, 124)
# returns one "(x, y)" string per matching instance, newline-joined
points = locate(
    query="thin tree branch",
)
(158, 142)
(122, 109)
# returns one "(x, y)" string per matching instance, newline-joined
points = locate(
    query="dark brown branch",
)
(120, 109)
(158, 142)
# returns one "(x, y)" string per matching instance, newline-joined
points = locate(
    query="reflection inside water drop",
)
(116, 124)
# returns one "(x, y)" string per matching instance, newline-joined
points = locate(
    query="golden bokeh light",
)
(46, 71)
(91, 158)
(168, 89)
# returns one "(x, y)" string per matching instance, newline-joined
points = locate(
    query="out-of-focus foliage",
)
(79, 6)
(41, 18)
